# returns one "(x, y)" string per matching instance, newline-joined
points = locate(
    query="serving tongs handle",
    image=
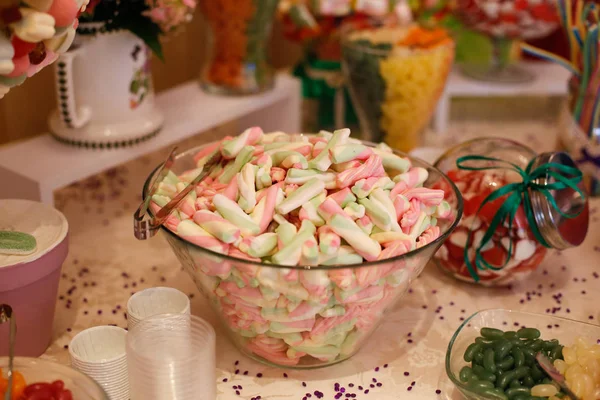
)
(146, 226)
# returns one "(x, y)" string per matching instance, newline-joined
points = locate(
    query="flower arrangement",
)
(147, 19)
(32, 35)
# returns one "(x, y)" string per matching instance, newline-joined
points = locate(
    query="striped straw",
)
(546, 55)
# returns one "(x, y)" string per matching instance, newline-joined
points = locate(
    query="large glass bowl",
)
(565, 330)
(36, 370)
(301, 317)
(394, 91)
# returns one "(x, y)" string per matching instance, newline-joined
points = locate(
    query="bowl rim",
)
(42, 363)
(443, 236)
(460, 385)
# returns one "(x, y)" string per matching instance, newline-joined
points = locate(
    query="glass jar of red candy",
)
(514, 250)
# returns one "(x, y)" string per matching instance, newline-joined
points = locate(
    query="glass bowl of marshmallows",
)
(302, 243)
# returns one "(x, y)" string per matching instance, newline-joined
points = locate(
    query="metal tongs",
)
(146, 226)
(556, 376)
(7, 315)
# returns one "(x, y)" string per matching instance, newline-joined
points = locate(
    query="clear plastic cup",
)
(154, 301)
(172, 356)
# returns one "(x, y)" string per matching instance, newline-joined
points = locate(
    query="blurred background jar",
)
(238, 32)
(519, 261)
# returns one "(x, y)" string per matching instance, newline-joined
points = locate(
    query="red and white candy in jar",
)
(516, 206)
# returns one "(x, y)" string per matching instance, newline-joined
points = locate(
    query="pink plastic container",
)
(29, 284)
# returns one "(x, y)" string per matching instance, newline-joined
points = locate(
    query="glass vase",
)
(238, 33)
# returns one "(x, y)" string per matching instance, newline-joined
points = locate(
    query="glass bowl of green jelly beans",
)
(492, 354)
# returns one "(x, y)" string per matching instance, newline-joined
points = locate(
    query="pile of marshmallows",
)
(291, 200)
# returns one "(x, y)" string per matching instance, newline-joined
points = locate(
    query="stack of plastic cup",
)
(172, 356)
(154, 301)
(100, 353)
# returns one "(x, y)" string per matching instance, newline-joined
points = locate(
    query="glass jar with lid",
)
(518, 243)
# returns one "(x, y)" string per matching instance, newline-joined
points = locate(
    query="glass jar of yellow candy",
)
(396, 77)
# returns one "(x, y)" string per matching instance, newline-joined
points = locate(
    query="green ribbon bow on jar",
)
(517, 194)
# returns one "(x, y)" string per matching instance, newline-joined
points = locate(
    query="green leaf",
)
(149, 32)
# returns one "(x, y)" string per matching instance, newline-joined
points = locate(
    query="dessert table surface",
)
(403, 359)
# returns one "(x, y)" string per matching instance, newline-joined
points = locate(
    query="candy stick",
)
(232, 190)
(371, 168)
(329, 241)
(243, 157)
(191, 232)
(290, 253)
(234, 214)
(401, 205)
(423, 222)
(351, 233)
(263, 212)
(301, 195)
(413, 178)
(247, 187)
(160, 200)
(443, 211)
(410, 217)
(259, 246)
(378, 214)
(310, 254)
(349, 152)
(231, 148)
(382, 198)
(347, 165)
(364, 187)
(393, 162)
(287, 158)
(322, 161)
(546, 55)
(217, 226)
(167, 189)
(329, 208)
(238, 253)
(299, 147)
(396, 248)
(203, 203)
(429, 197)
(277, 174)
(343, 197)
(590, 41)
(365, 224)
(207, 152)
(355, 210)
(343, 278)
(309, 209)
(387, 237)
(301, 176)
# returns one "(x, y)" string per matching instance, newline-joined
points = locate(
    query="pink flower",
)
(168, 14)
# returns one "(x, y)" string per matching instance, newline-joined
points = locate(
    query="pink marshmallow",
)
(233, 252)
(410, 217)
(401, 205)
(373, 167)
(207, 150)
(399, 188)
(369, 292)
(231, 191)
(244, 293)
(278, 174)
(395, 249)
(429, 197)
(341, 196)
(329, 208)
(269, 210)
(324, 325)
(430, 234)
(343, 278)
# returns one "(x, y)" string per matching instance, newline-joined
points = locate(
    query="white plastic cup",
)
(172, 356)
(100, 353)
(155, 301)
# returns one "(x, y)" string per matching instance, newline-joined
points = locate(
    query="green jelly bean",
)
(515, 384)
(522, 397)
(480, 385)
(522, 372)
(556, 353)
(514, 392)
(482, 374)
(473, 349)
(537, 345)
(478, 359)
(550, 344)
(528, 381)
(519, 357)
(517, 342)
(529, 356)
(505, 379)
(491, 333)
(528, 333)
(506, 364)
(510, 335)
(478, 370)
(465, 373)
(495, 394)
(502, 349)
(484, 342)
(488, 360)
(536, 373)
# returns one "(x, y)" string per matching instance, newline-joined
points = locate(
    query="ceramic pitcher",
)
(104, 91)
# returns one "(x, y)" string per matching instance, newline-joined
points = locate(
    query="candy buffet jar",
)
(506, 21)
(475, 186)
(395, 88)
(303, 317)
(238, 33)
